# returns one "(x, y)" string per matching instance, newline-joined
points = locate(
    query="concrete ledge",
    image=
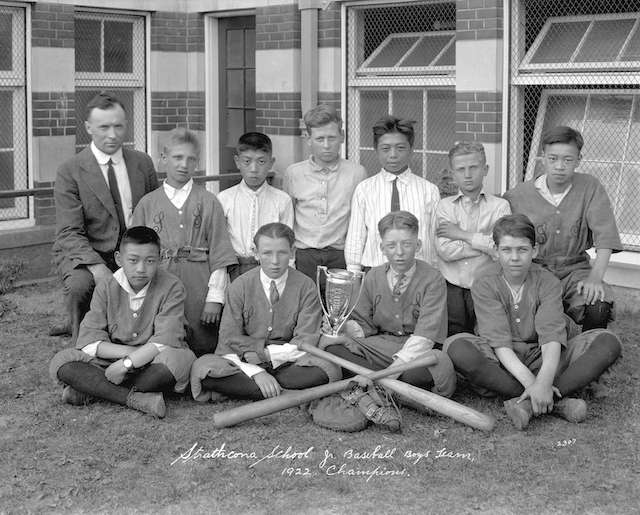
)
(31, 247)
(37, 235)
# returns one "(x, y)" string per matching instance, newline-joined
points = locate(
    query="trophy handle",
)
(355, 303)
(320, 268)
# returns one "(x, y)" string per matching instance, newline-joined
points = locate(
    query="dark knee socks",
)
(294, 377)
(420, 377)
(87, 378)
(481, 371)
(602, 352)
(155, 378)
(596, 315)
(238, 386)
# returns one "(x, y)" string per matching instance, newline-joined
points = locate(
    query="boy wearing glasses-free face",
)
(253, 202)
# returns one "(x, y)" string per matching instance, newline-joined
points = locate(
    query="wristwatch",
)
(128, 364)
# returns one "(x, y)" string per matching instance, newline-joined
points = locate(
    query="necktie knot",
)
(274, 296)
(398, 287)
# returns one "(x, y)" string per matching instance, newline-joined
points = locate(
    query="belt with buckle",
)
(184, 252)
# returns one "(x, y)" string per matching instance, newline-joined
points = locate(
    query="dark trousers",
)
(77, 286)
(462, 317)
(307, 261)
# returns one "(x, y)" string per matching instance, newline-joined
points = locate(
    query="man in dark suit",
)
(95, 193)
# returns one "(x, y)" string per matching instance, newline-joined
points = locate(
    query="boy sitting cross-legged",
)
(268, 311)
(402, 311)
(131, 345)
(522, 350)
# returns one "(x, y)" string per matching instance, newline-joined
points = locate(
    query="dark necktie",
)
(400, 281)
(274, 296)
(115, 194)
(395, 196)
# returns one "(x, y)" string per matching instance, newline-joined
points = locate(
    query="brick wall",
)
(278, 27)
(329, 26)
(52, 25)
(53, 114)
(331, 98)
(278, 113)
(44, 207)
(479, 116)
(170, 109)
(195, 32)
(479, 19)
(169, 31)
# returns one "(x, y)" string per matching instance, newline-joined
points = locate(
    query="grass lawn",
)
(104, 458)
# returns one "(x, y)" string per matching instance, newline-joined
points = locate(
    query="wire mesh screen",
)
(401, 61)
(110, 55)
(577, 63)
(13, 137)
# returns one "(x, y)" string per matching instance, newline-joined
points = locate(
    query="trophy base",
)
(331, 335)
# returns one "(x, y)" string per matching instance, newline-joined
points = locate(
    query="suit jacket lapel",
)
(136, 177)
(95, 180)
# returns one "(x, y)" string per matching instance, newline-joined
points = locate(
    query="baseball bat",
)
(442, 405)
(290, 399)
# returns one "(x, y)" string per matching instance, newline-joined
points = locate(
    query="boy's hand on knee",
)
(211, 313)
(592, 289)
(268, 384)
(116, 372)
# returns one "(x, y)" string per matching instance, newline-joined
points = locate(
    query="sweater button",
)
(396, 299)
(135, 315)
(397, 316)
(269, 328)
(135, 335)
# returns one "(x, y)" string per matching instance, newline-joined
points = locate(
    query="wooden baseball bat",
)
(442, 405)
(264, 407)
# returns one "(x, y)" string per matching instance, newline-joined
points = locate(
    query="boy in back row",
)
(522, 352)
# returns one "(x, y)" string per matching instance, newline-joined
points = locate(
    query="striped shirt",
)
(372, 200)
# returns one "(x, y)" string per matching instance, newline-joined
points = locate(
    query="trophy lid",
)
(340, 276)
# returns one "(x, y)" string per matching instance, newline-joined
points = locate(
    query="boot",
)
(573, 410)
(74, 397)
(520, 413)
(147, 402)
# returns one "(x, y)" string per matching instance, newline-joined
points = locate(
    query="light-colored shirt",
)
(122, 178)
(543, 188)
(372, 200)
(219, 279)
(458, 260)
(393, 277)
(247, 210)
(322, 201)
(136, 299)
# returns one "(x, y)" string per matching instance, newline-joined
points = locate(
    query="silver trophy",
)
(340, 295)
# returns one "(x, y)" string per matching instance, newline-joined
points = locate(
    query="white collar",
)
(245, 189)
(403, 177)
(172, 192)
(481, 195)
(322, 168)
(541, 184)
(280, 281)
(122, 280)
(408, 274)
(103, 158)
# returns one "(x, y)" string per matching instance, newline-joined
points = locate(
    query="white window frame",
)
(571, 66)
(17, 78)
(627, 239)
(137, 80)
(355, 80)
(399, 68)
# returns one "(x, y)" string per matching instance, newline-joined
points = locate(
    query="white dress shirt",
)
(122, 177)
(543, 188)
(372, 200)
(247, 210)
(218, 279)
(135, 303)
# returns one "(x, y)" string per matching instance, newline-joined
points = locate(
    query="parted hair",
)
(140, 235)
(390, 123)
(562, 134)
(398, 220)
(103, 100)
(275, 230)
(321, 115)
(256, 141)
(463, 148)
(516, 226)
(181, 136)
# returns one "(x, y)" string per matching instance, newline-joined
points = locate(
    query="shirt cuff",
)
(217, 285)
(247, 368)
(91, 349)
(159, 346)
(483, 242)
(284, 353)
(354, 268)
(414, 348)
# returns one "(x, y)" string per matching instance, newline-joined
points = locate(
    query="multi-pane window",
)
(110, 55)
(401, 61)
(13, 136)
(577, 64)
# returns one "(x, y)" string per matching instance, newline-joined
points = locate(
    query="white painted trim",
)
(147, 80)
(506, 95)
(344, 76)
(211, 94)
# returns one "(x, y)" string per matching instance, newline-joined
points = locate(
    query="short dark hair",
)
(103, 100)
(140, 235)
(181, 136)
(562, 134)
(321, 115)
(516, 226)
(398, 220)
(254, 141)
(389, 124)
(275, 230)
(463, 148)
